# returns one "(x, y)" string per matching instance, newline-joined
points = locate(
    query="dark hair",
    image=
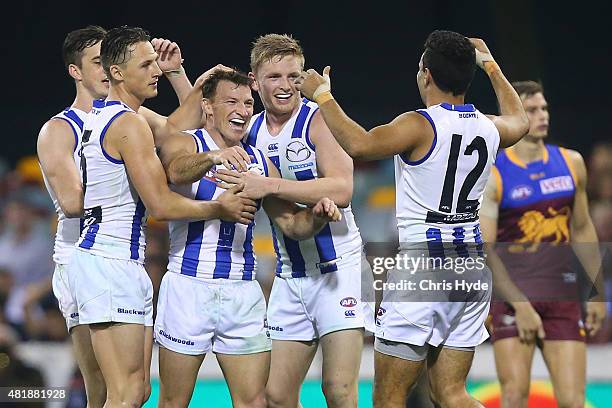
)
(76, 41)
(116, 45)
(527, 88)
(239, 78)
(451, 58)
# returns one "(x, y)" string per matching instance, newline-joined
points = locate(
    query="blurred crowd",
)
(29, 311)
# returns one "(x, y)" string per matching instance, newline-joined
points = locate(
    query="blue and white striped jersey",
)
(294, 155)
(213, 249)
(68, 229)
(115, 216)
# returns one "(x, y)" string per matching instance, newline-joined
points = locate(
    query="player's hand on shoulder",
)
(483, 54)
(327, 209)
(235, 208)
(169, 54)
(312, 84)
(200, 81)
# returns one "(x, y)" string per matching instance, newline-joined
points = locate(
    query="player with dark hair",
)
(435, 220)
(58, 153)
(534, 206)
(122, 178)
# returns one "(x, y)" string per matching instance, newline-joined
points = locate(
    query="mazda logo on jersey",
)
(348, 302)
(297, 152)
(256, 168)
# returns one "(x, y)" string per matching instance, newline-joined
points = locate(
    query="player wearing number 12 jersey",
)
(443, 157)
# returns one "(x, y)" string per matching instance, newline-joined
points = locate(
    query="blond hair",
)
(270, 46)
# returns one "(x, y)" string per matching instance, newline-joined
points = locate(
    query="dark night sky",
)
(373, 52)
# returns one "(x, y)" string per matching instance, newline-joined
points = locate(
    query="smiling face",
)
(90, 73)
(274, 80)
(140, 72)
(230, 110)
(536, 108)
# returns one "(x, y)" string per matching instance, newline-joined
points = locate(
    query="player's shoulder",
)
(55, 128)
(570, 154)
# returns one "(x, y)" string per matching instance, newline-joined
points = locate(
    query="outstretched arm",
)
(170, 61)
(402, 135)
(55, 147)
(295, 222)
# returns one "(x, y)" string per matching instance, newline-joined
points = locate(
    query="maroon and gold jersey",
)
(533, 234)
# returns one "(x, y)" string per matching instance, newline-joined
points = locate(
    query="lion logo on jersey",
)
(536, 227)
(297, 152)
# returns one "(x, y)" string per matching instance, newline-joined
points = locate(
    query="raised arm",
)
(295, 222)
(131, 139)
(55, 147)
(170, 61)
(512, 124)
(528, 322)
(585, 242)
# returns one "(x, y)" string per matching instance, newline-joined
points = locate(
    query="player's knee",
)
(574, 400)
(515, 395)
(129, 394)
(279, 398)
(257, 400)
(338, 392)
(449, 395)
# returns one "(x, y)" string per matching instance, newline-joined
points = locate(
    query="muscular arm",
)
(295, 222)
(131, 138)
(180, 160)
(55, 146)
(402, 135)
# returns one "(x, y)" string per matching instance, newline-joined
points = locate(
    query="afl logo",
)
(521, 192)
(348, 302)
(297, 152)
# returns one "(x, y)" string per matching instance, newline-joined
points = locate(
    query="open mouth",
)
(283, 96)
(237, 124)
(105, 81)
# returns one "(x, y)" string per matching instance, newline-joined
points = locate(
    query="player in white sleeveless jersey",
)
(443, 156)
(122, 177)
(209, 299)
(316, 296)
(59, 154)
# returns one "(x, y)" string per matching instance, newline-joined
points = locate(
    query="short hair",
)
(451, 58)
(76, 41)
(269, 46)
(526, 89)
(115, 48)
(239, 78)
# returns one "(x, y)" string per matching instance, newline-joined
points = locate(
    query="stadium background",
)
(374, 52)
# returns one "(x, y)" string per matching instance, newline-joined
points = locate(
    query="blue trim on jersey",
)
(73, 116)
(98, 103)
(103, 134)
(249, 257)
(90, 237)
(298, 265)
(433, 143)
(200, 135)
(252, 137)
(76, 135)
(459, 242)
(468, 107)
(223, 255)
(302, 175)
(308, 142)
(326, 250)
(478, 240)
(279, 264)
(136, 223)
(265, 164)
(300, 122)
(195, 140)
(195, 232)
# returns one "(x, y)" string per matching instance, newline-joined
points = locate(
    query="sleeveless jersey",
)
(68, 229)
(438, 196)
(213, 249)
(115, 216)
(535, 204)
(294, 155)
